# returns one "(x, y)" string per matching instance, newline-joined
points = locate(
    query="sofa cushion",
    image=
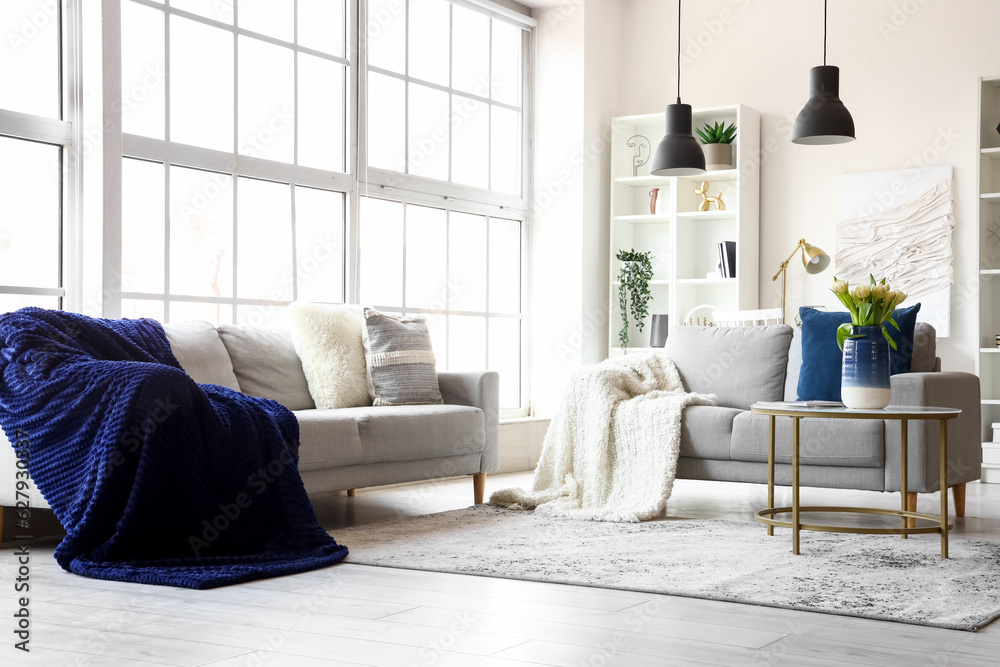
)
(819, 377)
(399, 359)
(328, 439)
(327, 339)
(411, 432)
(266, 365)
(706, 431)
(201, 353)
(740, 365)
(858, 443)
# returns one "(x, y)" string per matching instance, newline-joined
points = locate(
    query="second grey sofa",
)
(749, 364)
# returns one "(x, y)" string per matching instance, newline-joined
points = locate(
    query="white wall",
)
(577, 66)
(909, 75)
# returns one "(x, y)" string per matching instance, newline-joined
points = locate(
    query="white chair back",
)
(747, 318)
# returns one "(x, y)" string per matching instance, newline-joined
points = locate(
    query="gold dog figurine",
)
(707, 199)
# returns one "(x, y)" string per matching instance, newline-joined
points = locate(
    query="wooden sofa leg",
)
(911, 506)
(351, 493)
(958, 494)
(479, 486)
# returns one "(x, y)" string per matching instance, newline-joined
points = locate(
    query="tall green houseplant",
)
(633, 290)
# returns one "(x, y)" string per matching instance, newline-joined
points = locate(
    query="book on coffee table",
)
(798, 404)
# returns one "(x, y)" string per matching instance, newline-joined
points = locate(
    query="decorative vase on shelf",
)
(864, 383)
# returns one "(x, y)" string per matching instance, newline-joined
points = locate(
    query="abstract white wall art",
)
(898, 224)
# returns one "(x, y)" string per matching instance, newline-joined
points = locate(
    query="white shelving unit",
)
(684, 240)
(988, 359)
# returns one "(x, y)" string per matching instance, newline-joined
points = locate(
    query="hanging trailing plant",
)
(633, 290)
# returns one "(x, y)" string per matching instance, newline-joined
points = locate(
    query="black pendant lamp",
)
(679, 153)
(824, 119)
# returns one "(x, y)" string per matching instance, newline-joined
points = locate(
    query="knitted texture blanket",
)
(611, 450)
(156, 479)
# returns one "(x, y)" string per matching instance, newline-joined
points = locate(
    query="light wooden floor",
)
(356, 615)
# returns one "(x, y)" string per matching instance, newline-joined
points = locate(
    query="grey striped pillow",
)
(399, 359)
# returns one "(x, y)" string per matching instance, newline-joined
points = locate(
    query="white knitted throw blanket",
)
(611, 450)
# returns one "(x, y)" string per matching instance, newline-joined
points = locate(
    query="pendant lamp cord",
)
(824, 34)
(679, 51)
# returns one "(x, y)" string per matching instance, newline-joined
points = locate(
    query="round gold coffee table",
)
(901, 413)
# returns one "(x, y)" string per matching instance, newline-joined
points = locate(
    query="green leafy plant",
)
(633, 290)
(717, 134)
(870, 305)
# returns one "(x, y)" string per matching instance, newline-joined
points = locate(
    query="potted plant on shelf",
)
(717, 143)
(633, 290)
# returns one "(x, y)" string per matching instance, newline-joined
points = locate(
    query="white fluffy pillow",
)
(327, 339)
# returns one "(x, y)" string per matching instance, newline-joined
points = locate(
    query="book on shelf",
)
(727, 258)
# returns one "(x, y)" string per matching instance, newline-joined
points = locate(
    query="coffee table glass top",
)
(822, 408)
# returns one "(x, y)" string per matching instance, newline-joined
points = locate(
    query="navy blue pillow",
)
(819, 378)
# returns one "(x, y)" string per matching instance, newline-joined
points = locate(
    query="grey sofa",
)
(342, 449)
(749, 364)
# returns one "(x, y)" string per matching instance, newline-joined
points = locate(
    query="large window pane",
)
(429, 40)
(426, 258)
(470, 56)
(506, 76)
(505, 266)
(428, 132)
(321, 113)
(470, 145)
(12, 302)
(387, 34)
(201, 85)
(29, 213)
(187, 311)
(217, 10)
(143, 195)
(268, 317)
(267, 111)
(505, 358)
(381, 252)
(319, 243)
(322, 25)
(136, 308)
(505, 150)
(201, 233)
(466, 343)
(29, 57)
(264, 240)
(275, 18)
(386, 122)
(144, 77)
(467, 261)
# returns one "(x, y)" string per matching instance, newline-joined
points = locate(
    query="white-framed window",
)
(443, 205)
(36, 142)
(235, 120)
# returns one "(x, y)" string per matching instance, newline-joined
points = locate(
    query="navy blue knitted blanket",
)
(156, 479)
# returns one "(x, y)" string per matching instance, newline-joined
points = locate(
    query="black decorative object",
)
(824, 119)
(658, 330)
(998, 128)
(641, 157)
(678, 153)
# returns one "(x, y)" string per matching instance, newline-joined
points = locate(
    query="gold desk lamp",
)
(814, 259)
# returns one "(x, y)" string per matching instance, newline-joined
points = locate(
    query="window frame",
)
(60, 132)
(356, 181)
(408, 188)
(237, 165)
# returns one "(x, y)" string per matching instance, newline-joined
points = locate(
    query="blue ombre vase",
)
(864, 382)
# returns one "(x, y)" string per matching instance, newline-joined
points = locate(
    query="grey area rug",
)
(871, 576)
